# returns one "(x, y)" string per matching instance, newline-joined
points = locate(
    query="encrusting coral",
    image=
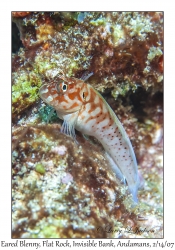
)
(59, 188)
(123, 50)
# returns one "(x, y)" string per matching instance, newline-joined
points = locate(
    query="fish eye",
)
(61, 87)
(64, 87)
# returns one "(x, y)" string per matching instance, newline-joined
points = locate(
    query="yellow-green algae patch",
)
(49, 231)
(24, 90)
(123, 88)
(40, 168)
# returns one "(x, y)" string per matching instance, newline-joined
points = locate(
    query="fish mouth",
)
(44, 94)
(49, 95)
(43, 90)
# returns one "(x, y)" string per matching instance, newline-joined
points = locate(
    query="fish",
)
(81, 107)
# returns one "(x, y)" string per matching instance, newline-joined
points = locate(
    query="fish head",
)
(65, 94)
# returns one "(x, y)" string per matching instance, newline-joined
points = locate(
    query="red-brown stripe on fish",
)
(83, 108)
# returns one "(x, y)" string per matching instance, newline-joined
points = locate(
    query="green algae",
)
(98, 22)
(43, 64)
(25, 90)
(153, 52)
(123, 88)
(50, 231)
(40, 168)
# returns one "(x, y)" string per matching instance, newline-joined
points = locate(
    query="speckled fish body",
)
(83, 108)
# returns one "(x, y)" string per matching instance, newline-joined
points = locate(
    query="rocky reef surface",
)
(65, 189)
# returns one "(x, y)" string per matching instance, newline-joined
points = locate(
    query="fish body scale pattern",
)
(83, 108)
(96, 120)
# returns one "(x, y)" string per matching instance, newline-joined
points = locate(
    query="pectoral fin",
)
(68, 126)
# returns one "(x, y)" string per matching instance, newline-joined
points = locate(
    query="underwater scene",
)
(87, 124)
